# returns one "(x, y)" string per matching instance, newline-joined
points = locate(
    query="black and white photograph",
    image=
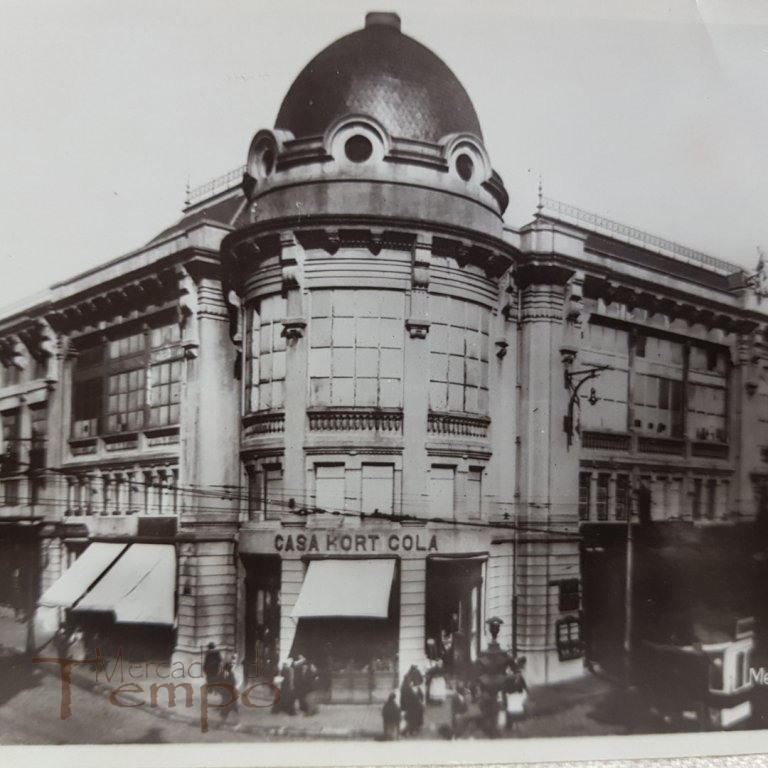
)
(390, 375)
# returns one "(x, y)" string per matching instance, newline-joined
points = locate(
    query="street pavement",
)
(31, 696)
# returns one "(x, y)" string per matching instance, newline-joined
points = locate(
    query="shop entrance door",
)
(453, 617)
(262, 607)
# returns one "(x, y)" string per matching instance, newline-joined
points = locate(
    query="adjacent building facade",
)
(340, 408)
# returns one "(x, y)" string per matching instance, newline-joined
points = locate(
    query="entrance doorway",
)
(262, 607)
(454, 599)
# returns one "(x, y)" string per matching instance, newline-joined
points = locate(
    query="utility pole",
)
(628, 590)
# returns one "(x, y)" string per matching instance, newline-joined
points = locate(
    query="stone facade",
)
(344, 354)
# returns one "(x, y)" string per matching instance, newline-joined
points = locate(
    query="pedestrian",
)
(304, 680)
(390, 715)
(287, 701)
(212, 665)
(412, 700)
(233, 676)
(459, 709)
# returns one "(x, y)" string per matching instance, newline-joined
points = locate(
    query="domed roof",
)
(379, 72)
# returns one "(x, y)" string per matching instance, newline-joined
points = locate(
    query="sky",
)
(650, 112)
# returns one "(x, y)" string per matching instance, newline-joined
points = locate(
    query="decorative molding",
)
(422, 260)
(460, 452)
(344, 450)
(542, 303)
(188, 313)
(417, 328)
(293, 328)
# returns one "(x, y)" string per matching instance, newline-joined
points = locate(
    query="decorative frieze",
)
(542, 303)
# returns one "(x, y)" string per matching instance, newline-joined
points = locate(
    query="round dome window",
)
(358, 149)
(465, 167)
(268, 161)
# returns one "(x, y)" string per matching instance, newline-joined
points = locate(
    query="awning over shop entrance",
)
(75, 581)
(346, 589)
(139, 589)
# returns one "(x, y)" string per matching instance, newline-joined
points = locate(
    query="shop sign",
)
(356, 542)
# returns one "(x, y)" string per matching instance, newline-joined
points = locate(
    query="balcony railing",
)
(214, 186)
(457, 425)
(632, 235)
(605, 441)
(355, 420)
(267, 423)
(666, 445)
(709, 450)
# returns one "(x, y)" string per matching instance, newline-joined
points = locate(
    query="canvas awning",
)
(346, 588)
(79, 577)
(140, 588)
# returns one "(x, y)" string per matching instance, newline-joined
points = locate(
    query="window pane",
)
(378, 488)
(473, 498)
(329, 487)
(441, 491)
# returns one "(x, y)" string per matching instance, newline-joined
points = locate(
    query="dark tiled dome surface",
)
(382, 73)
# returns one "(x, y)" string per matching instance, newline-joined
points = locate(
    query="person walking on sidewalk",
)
(305, 678)
(234, 676)
(412, 701)
(212, 666)
(390, 714)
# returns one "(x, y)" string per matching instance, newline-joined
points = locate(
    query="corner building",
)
(335, 409)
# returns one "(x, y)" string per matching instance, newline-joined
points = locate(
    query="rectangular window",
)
(128, 383)
(441, 491)
(585, 483)
(86, 408)
(356, 354)
(125, 401)
(378, 488)
(11, 493)
(268, 354)
(329, 486)
(696, 498)
(273, 491)
(707, 413)
(569, 595)
(622, 497)
(254, 493)
(658, 405)
(568, 638)
(458, 356)
(711, 498)
(10, 449)
(165, 393)
(603, 482)
(38, 415)
(473, 493)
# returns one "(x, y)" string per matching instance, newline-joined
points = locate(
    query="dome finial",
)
(382, 18)
(540, 205)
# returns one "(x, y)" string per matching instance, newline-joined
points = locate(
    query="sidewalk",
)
(570, 702)
(342, 721)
